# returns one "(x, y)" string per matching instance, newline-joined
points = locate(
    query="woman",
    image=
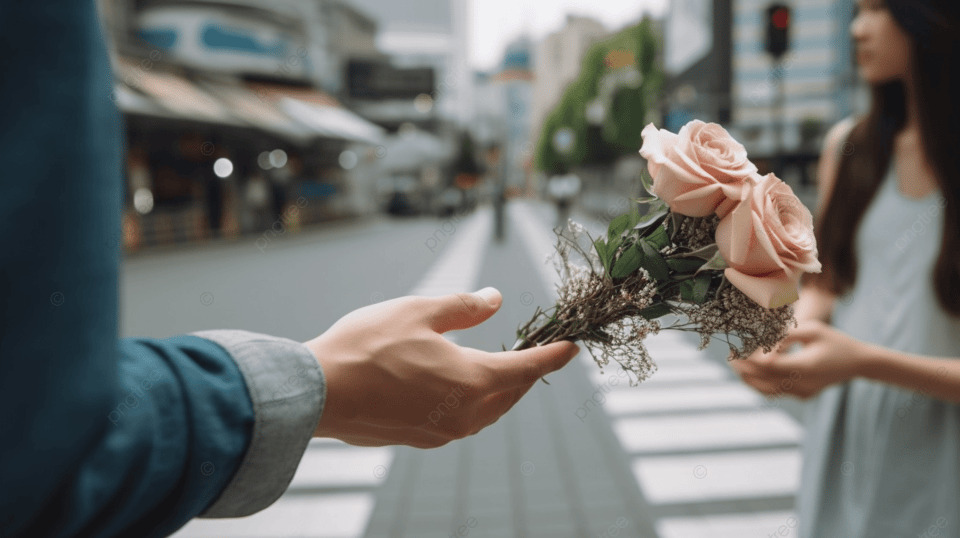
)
(879, 330)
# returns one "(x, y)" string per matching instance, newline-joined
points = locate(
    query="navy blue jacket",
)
(100, 436)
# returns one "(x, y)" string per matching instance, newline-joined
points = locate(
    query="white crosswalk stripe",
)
(332, 494)
(694, 433)
(706, 430)
(747, 474)
(334, 515)
(778, 523)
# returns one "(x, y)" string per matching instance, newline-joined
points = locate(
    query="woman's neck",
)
(912, 123)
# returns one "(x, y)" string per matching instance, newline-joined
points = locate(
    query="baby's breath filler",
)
(651, 272)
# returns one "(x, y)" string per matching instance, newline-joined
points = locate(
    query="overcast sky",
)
(494, 23)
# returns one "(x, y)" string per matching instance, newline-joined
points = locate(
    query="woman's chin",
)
(875, 77)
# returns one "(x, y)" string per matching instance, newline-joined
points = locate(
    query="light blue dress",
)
(880, 461)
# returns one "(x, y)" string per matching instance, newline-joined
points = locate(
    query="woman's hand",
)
(827, 357)
(392, 378)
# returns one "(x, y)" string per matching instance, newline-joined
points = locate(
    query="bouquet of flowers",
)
(719, 251)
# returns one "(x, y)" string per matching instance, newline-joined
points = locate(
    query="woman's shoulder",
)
(837, 135)
(834, 146)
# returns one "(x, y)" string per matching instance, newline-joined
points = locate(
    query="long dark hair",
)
(934, 27)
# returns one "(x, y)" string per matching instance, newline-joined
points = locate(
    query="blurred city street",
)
(691, 452)
(742, 169)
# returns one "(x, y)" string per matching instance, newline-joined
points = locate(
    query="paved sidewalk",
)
(541, 471)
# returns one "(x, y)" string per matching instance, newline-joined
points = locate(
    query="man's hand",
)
(393, 379)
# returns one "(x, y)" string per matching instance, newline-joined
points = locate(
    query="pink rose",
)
(767, 242)
(699, 170)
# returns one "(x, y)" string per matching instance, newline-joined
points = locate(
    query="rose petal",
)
(769, 291)
(727, 205)
(740, 236)
(656, 142)
(698, 202)
(767, 249)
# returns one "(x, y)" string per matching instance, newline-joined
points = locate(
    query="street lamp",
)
(596, 112)
(563, 140)
(563, 188)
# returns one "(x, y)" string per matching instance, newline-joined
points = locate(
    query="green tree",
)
(626, 97)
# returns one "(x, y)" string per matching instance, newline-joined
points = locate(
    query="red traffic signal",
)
(781, 18)
(778, 29)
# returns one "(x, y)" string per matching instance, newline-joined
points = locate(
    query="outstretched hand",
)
(827, 357)
(393, 379)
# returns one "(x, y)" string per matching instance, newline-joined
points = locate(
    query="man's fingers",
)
(494, 407)
(462, 310)
(516, 368)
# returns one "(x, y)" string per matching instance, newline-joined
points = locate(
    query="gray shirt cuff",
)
(287, 390)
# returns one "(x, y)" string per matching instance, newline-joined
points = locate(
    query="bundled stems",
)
(613, 302)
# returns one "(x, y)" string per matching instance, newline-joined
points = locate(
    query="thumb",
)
(463, 310)
(516, 368)
(803, 334)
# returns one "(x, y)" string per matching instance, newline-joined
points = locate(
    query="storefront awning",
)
(295, 113)
(320, 112)
(174, 94)
(132, 102)
(257, 111)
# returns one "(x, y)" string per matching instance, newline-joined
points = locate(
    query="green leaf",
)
(647, 181)
(715, 263)
(695, 289)
(601, 247)
(701, 287)
(658, 205)
(613, 245)
(686, 290)
(684, 265)
(675, 220)
(653, 262)
(622, 223)
(652, 219)
(705, 253)
(658, 238)
(656, 311)
(627, 263)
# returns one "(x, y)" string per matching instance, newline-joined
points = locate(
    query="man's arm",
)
(137, 438)
(184, 439)
(96, 437)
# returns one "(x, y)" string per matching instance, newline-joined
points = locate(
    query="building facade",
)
(718, 70)
(697, 61)
(516, 82)
(426, 33)
(818, 75)
(226, 120)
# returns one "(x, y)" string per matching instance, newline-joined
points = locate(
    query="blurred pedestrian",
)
(563, 189)
(133, 437)
(213, 199)
(257, 197)
(879, 331)
(280, 180)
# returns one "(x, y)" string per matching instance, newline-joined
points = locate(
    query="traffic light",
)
(778, 30)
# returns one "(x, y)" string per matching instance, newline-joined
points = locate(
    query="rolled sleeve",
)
(287, 390)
